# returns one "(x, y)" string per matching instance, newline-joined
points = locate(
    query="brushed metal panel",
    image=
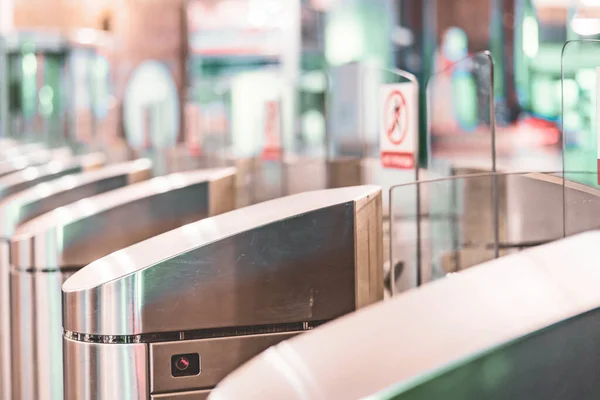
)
(293, 259)
(28, 177)
(281, 272)
(36, 332)
(135, 212)
(195, 395)
(82, 232)
(37, 200)
(33, 159)
(452, 322)
(218, 357)
(88, 378)
(42, 198)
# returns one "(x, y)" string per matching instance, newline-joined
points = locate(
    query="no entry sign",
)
(398, 125)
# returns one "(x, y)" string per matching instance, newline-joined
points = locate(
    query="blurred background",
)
(158, 72)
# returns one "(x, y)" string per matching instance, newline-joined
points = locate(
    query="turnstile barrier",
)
(48, 249)
(35, 201)
(443, 226)
(515, 327)
(181, 310)
(35, 158)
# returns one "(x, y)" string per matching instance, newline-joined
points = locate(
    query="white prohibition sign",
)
(396, 117)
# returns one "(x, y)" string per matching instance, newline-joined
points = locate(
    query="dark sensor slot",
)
(185, 364)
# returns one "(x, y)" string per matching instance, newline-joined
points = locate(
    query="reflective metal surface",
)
(292, 238)
(77, 234)
(10, 148)
(268, 271)
(35, 158)
(47, 196)
(38, 200)
(229, 351)
(28, 177)
(90, 381)
(195, 395)
(437, 328)
(47, 249)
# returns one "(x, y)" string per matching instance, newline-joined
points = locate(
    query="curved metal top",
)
(47, 196)
(77, 234)
(430, 330)
(9, 149)
(306, 257)
(36, 157)
(30, 176)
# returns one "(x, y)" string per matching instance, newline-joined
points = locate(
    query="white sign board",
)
(272, 146)
(399, 125)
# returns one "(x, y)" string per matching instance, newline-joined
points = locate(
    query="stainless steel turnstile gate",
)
(37, 200)
(48, 249)
(171, 316)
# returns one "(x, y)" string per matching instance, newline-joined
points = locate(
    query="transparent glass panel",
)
(439, 227)
(356, 116)
(402, 238)
(460, 100)
(578, 92)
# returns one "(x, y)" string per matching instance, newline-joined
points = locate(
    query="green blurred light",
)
(573, 121)
(545, 101)
(100, 68)
(344, 39)
(570, 92)
(464, 93)
(29, 64)
(46, 94)
(586, 78)
(530, 36)
(456, 44)
(314, 82)
(313, 126)
(46, 109)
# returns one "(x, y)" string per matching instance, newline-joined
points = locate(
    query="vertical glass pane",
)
(579, 91)
(460, 115)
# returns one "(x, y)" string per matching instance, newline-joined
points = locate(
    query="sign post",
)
(272, 149)
(399, 125)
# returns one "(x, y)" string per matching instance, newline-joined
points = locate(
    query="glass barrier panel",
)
(443, 226)
(580, 63)
(461, 121)
(402, 237)
(357, 117)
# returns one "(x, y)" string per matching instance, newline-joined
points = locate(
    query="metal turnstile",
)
(10, 148)
(171, 316)
(32, 159)
(48, 249)
(28, 177)
(37, 200)
(524, 326)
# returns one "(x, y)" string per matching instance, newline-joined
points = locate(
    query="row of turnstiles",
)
(178, 274)
(120, 282)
